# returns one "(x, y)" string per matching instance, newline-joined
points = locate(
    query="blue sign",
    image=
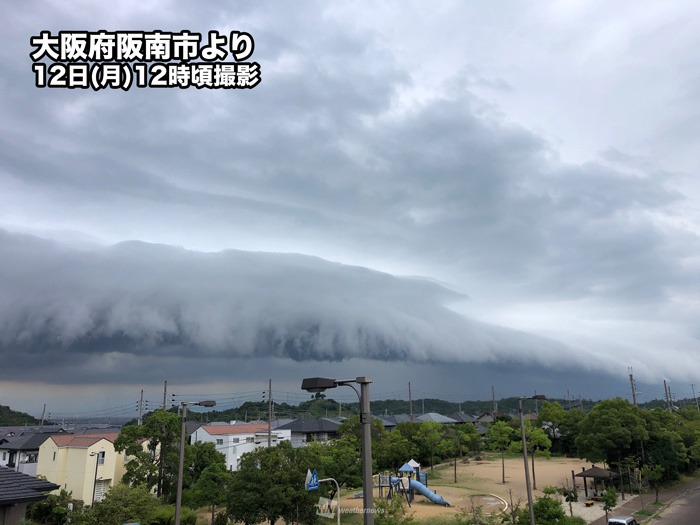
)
(312, 481)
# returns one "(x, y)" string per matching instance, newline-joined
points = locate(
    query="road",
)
(685, 510)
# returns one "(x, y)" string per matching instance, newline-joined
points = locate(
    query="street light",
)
(527, 471)
(178, 499)
(319, 384)
(94, 482)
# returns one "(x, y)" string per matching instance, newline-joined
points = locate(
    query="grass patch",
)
(644, 512)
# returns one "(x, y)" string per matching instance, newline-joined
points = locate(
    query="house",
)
(21, 453)
(312, 429)
(437, 418)
(84, 464)
(234, 440)
(16, 490)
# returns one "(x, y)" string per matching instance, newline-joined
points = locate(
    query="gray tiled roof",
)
(438, 418)
(27, 441)
(16, 487)
(310, 425)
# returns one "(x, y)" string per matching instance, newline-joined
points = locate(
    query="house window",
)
(249, 439)
(219, 441)
(4, 456)
(101, 458)
(54, 455)
(235, 440)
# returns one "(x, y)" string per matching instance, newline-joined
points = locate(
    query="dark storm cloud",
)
(363, 144)
(134, 301)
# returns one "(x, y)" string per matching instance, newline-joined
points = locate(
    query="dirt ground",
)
(479, 483)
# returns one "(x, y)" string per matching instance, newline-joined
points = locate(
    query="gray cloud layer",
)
(150, 300)
(389, 138)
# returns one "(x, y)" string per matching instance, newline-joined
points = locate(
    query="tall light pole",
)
(94, 481)
(319, 384)
(180, 467)
(527, 470)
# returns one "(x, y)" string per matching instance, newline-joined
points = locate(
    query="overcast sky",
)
(437, 192)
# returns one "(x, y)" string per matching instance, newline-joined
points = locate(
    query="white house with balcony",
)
(234, 440)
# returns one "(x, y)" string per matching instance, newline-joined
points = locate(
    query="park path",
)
(667, 496)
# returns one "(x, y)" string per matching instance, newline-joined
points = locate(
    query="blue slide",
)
(425, 491)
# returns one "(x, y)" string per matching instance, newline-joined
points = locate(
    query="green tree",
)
(212, 486)
(611, 431)
(429, 438)
(550, 417)
(394, 450)
(654, 475)
(609, 501)
(123, 504)
(53, 510)
(198, 457)
(548, 511)
(537, 441)
(392, 512)
(499, 436)
(155, 465)
(269, 485)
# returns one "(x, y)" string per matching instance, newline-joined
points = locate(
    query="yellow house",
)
(84, 464)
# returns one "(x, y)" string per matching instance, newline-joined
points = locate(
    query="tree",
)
(654, 475)
(609, 501)
(212, 486)
(392, 512)
(393, 451)
(550, 417)
(53, 510)
(198, 457)
(500, 435)
(429, 438)
(611, 431)
(536, 439)
(121, 504)
(153, 452)
(269, 485)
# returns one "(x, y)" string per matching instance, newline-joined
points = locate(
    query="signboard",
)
(325, 508)
(311, 480)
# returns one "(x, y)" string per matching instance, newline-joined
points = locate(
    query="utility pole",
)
(423, 404)
(695, 397)
(141, 409)
(269, 415)
(410, 402)
(493, 398)
(43, 413)
(634, 390)
(667, 393)
(165, 396)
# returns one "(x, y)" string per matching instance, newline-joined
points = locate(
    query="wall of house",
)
(74, 468)
(233, 446)
(11, 514)
(51, 464)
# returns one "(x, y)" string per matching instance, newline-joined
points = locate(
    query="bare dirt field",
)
(479, 483)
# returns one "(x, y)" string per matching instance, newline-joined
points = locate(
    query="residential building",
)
(84, 464)
(21, 453)
(16, 490)
(312, 429)
(234, 440)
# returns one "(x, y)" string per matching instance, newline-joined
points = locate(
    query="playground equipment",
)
(425, 491)
(397, 485)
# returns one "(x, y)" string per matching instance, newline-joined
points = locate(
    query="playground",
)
(479, 483)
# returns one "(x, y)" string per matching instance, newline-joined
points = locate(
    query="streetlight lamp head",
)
(539, 397)
(317, 384)
(208, 403)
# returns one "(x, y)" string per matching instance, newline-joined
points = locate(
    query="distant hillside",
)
(9, 417)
